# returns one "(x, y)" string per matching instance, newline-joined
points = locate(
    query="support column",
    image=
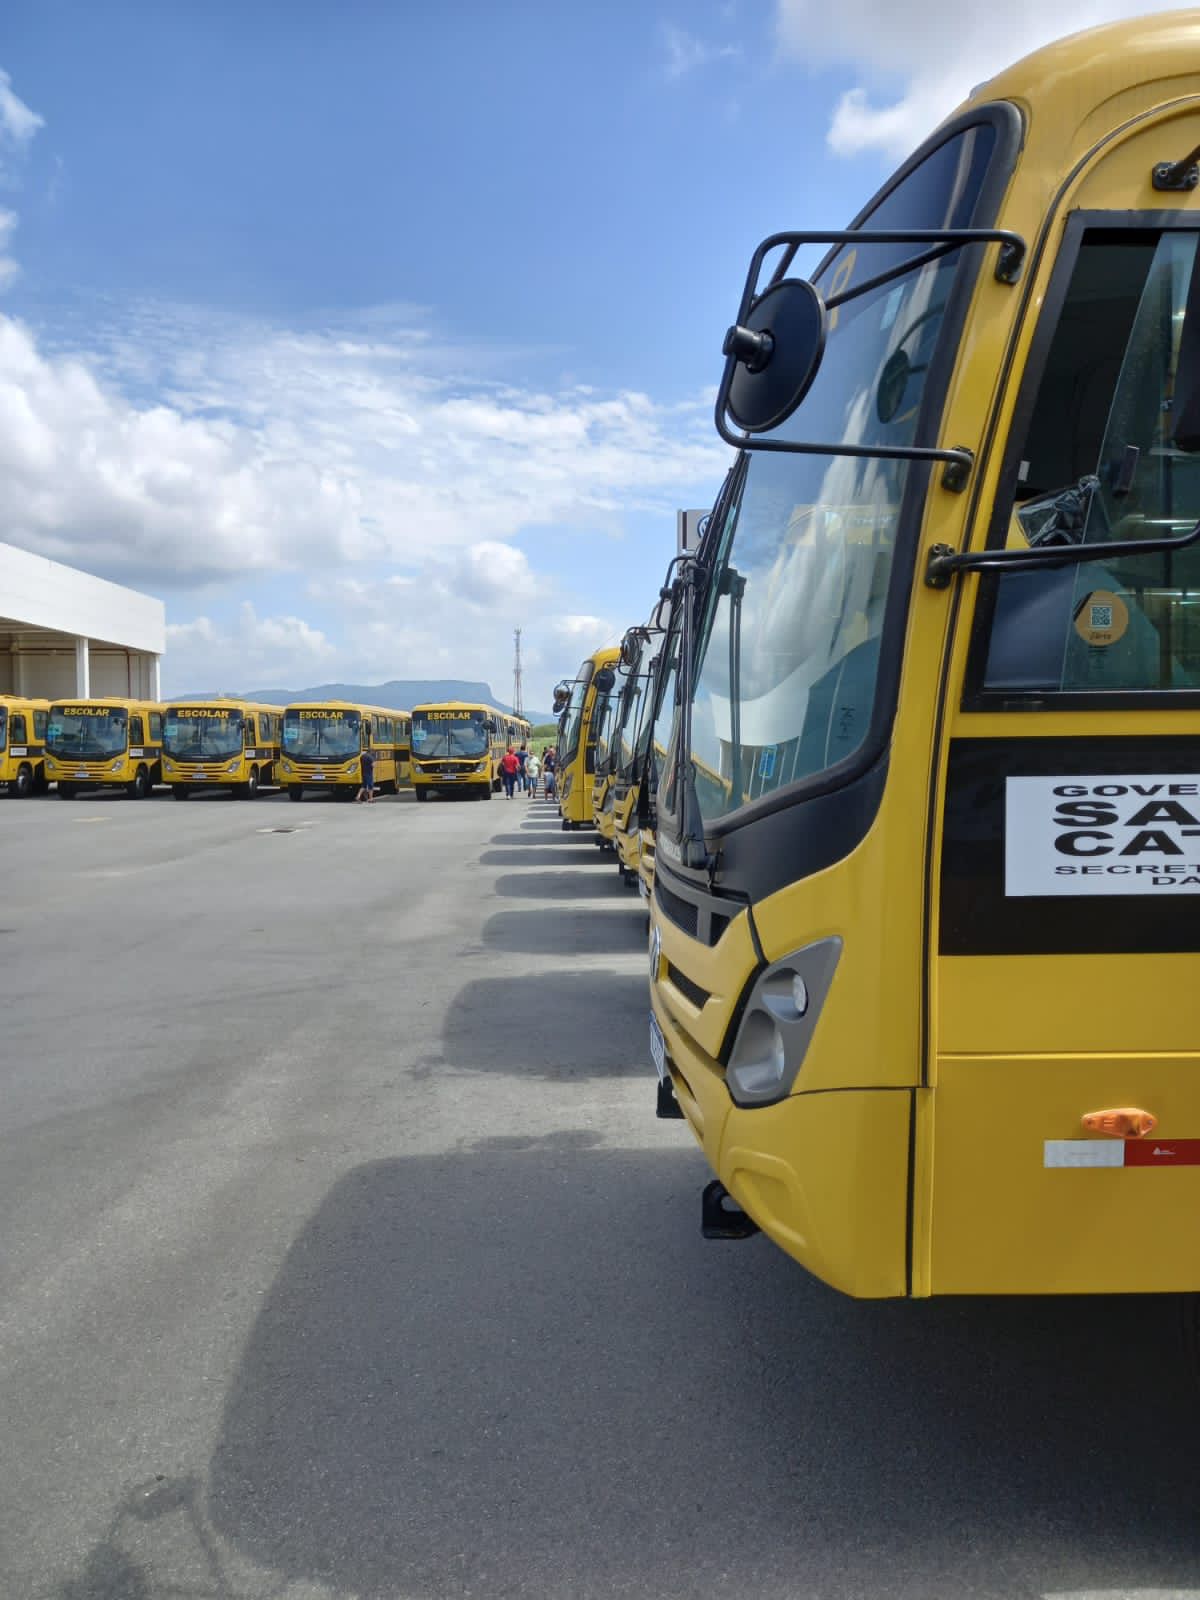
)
(156, 677)
(83, 670)
(20, 675)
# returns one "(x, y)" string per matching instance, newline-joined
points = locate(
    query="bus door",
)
(1066, 912)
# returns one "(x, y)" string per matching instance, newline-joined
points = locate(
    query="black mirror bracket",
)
(1177, 176)
(944, 561)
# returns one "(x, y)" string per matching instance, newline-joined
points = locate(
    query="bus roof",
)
(1084, 77)
(343, 705)
(464, 705)
(117, 701)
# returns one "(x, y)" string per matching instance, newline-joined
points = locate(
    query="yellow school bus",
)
(604, 761)
(924, 927)
(322, 743)
(579, 727)
(104, 742)
(403, 747)
(631, 743)
(219, 744)
(457, 746)
(23, 745)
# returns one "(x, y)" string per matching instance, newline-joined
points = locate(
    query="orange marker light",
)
(1124, 1122)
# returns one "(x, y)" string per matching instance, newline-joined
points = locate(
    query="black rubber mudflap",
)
(667, 1107)
(721, 1217)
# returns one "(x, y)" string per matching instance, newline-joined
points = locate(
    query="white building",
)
(66, 634)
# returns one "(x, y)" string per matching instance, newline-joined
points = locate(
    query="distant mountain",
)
(401, 692)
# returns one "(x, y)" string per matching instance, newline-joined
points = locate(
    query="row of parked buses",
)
(240, 746)
(917, 747)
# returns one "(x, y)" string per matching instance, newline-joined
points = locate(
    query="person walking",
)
(510, 768)
(533, 772)
(523, 757)
(367, 791)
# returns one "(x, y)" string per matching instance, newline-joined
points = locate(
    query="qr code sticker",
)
(1102, 616)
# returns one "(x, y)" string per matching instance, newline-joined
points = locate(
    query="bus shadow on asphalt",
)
(580, 931)
(536, 855)
(577, 884)
(606, 1036)
(539, 838)
(513, 1373)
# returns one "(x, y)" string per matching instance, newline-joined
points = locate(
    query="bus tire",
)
(41, 783)
(295, 791)
(487, 793)
(421, 793)
(22, 784)
(66, 791)
(250, 787)
(181, 791)
(140, 787)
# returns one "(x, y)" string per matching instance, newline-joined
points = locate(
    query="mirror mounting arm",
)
(943, 561)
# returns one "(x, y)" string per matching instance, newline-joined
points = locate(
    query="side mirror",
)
(604, 680)
(773, 357)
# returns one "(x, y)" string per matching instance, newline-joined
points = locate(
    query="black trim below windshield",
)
(869, 760)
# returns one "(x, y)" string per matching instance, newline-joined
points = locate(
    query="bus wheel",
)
(140, 787)
(421, 794)
(22, 785)
(250, 787)
(66, 791)
(487, 793)
(295, 791)
(181, 791)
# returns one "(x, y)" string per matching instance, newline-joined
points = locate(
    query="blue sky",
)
(362, 333)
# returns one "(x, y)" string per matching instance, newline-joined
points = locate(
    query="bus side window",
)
(136, 736)
(39, 725)
(156, 727)
(16, 728)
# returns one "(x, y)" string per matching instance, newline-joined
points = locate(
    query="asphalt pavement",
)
(341, 1255)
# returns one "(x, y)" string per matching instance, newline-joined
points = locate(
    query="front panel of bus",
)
(207, 747)
(452, 750)
(636, 690)
(23, 746)
(907, 1004)
(320, 748)
(98, 744)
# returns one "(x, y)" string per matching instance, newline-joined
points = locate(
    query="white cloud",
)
(18, 124)
(920, 62)
(452, 618)
(272, 448)
(685, 53)
(251, 652)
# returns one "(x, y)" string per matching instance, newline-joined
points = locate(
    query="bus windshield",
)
(89, 733)
(573, 715)
(449, 733)
(318, 735)
(202, 733)
(785, 664)
(3, 727)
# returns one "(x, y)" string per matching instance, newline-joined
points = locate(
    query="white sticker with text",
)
(1123, 834)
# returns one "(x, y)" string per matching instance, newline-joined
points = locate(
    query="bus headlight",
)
(778, 1023)
(286, 765)
(484, 766)
(232, 767)
(116, 766)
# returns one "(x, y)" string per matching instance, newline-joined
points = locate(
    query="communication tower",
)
(518, 693)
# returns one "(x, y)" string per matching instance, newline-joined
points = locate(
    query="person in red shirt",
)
(509, 768)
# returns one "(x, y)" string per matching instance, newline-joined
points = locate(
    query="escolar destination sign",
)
(1117, 834)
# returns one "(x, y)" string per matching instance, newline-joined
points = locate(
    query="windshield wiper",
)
(734, 585)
